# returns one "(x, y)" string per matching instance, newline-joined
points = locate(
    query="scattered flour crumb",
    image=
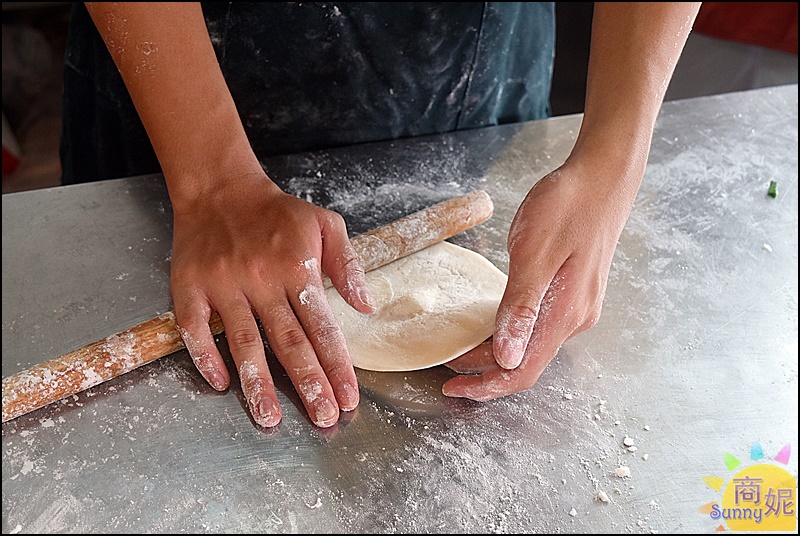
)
(645, 456)
(622, 472)
(628, 441)
(573, 512)
(767, 247)
(567, 396)
(601, 496)
(616, 423)
(27, 467)
(646, 428)
(16, 529)
(47, 423)
(632, 449)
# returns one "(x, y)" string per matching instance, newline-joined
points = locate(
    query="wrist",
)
(214, 157)
(612, 153)
(609, 173)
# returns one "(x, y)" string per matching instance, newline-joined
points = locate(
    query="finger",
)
(192, 317)
(340, 263)
(500, 382)
(314, 313)
(549, 333)
(247, 349)
(479, 359)
(517, 314)
(295, 352)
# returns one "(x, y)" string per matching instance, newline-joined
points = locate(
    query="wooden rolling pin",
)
(113, 356)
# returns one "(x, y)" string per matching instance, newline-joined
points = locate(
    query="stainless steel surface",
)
(698, 342)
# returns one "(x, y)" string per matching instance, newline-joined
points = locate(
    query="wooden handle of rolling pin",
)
(108, 358)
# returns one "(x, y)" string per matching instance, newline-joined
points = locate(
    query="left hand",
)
(561, 244)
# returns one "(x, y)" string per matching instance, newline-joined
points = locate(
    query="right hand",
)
(250, 250)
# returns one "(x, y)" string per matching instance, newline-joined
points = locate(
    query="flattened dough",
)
(432, 307)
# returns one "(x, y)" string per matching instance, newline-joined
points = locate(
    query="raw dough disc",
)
(432, 307)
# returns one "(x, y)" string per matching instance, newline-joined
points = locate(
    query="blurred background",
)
(734, 46)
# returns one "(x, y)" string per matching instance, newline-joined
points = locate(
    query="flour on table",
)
(622, 472)
(432, 307)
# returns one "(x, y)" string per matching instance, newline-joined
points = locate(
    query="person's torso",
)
(315, 75)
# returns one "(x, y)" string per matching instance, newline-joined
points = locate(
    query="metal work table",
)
(695, 353)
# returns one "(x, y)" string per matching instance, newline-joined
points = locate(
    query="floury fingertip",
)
(509, 352)
(366, 298)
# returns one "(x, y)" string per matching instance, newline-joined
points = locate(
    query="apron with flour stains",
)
(309, 76)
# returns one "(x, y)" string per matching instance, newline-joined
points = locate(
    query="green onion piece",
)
(773, 189)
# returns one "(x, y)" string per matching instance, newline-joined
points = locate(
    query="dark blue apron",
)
(309, 76)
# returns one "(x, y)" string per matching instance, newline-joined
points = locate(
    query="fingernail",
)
(509, 352)
(349, 397)
(448, 391)
(268, 414)
(216, 379)
(366, 297)
(466, 392)
(326, 414)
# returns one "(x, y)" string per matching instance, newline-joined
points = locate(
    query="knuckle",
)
(253, 267)
(338, 221)
(341, 371)
(597, 288)
(244, 338)
(350, 263)
(326, 334)
(183, 278)
(250, 376)
(334, 222)
(594, 317)
(291, 339)
(188, 326)
(219, 265)
(521, 311)
(303, 268)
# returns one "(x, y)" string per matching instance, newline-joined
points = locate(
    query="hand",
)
(561, 244)
(249, 250)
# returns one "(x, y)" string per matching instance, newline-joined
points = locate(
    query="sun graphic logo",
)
(760, 497)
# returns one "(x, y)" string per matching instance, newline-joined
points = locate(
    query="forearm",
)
(166, 59)
(634, 49)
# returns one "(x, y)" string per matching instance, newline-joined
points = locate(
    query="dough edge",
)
(378, 356)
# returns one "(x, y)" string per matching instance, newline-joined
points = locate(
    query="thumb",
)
(517, 315)
(340, 263)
